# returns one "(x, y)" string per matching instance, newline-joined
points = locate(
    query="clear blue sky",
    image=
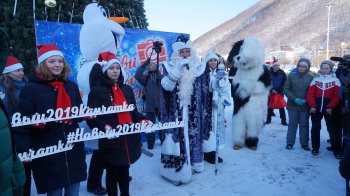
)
(195, 17)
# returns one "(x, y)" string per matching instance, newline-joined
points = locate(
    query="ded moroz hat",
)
(181, 43)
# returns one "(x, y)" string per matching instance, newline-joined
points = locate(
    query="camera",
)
(145, 50)
(157, 46)
(341, 60)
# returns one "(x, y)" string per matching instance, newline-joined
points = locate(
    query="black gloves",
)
(147, 62)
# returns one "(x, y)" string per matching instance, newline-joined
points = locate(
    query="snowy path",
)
(271, 170)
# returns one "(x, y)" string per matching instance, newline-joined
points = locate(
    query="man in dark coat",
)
(151, 82)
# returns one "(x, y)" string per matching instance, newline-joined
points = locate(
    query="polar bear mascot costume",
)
(251, 85)
(98, 34)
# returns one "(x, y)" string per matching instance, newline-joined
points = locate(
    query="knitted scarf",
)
(63, 99)
(119, 99)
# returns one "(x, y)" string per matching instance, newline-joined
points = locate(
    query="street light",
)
(329, 12)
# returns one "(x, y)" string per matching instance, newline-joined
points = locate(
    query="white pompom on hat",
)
(211, 55)
(12, 64)
(48, 50)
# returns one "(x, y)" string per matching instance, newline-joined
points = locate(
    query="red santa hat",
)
(48, 50)
(275, 62)
(107, 59)
(12, 64)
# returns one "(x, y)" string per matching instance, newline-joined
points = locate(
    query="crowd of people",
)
(168, 97)
(319, 97)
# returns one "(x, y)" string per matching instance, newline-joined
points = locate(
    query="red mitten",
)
(27, 158)
(146, 122)
(88, 117)
(39, 125)
(109, 133)
(107, 128)
(65, 121)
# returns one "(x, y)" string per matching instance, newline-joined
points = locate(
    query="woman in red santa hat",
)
(117, 154)
(12, 81)
(49, 89)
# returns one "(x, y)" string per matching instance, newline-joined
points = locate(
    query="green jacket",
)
(11, 168)
(296, 87)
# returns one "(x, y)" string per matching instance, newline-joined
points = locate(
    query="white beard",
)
(186, 84)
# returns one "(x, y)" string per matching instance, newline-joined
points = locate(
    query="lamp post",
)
(329, 12)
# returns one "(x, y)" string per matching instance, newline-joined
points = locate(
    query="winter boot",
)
(284, 123)
(210, 157)
(236, 147)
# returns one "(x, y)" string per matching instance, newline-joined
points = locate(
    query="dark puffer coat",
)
(11, 168)
(278, 79)
(62, 169)
(125, 149)
(151, 82)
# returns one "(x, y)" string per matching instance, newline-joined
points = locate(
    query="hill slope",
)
(296, 23)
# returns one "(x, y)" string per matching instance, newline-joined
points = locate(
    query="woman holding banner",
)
(116, 153)
(48, 90)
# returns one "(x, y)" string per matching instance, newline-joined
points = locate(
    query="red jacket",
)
(323, 92)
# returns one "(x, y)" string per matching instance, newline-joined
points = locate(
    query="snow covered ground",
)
(271, 170)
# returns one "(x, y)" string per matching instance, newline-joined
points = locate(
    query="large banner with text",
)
(134, 49)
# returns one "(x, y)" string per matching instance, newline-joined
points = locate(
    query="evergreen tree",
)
(19, 22)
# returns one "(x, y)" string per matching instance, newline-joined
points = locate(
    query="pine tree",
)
(19, 23)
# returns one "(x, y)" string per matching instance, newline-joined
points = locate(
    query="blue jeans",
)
(301, 120)
(72, 190)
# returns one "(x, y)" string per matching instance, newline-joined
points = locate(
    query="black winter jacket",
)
(57, 170)
(125, 149)
(151, 82)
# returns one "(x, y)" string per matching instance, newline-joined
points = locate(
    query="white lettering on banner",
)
(42, 152)
(74, 112)
(79, 136)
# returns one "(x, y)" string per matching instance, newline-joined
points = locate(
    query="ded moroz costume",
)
(185, 98)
